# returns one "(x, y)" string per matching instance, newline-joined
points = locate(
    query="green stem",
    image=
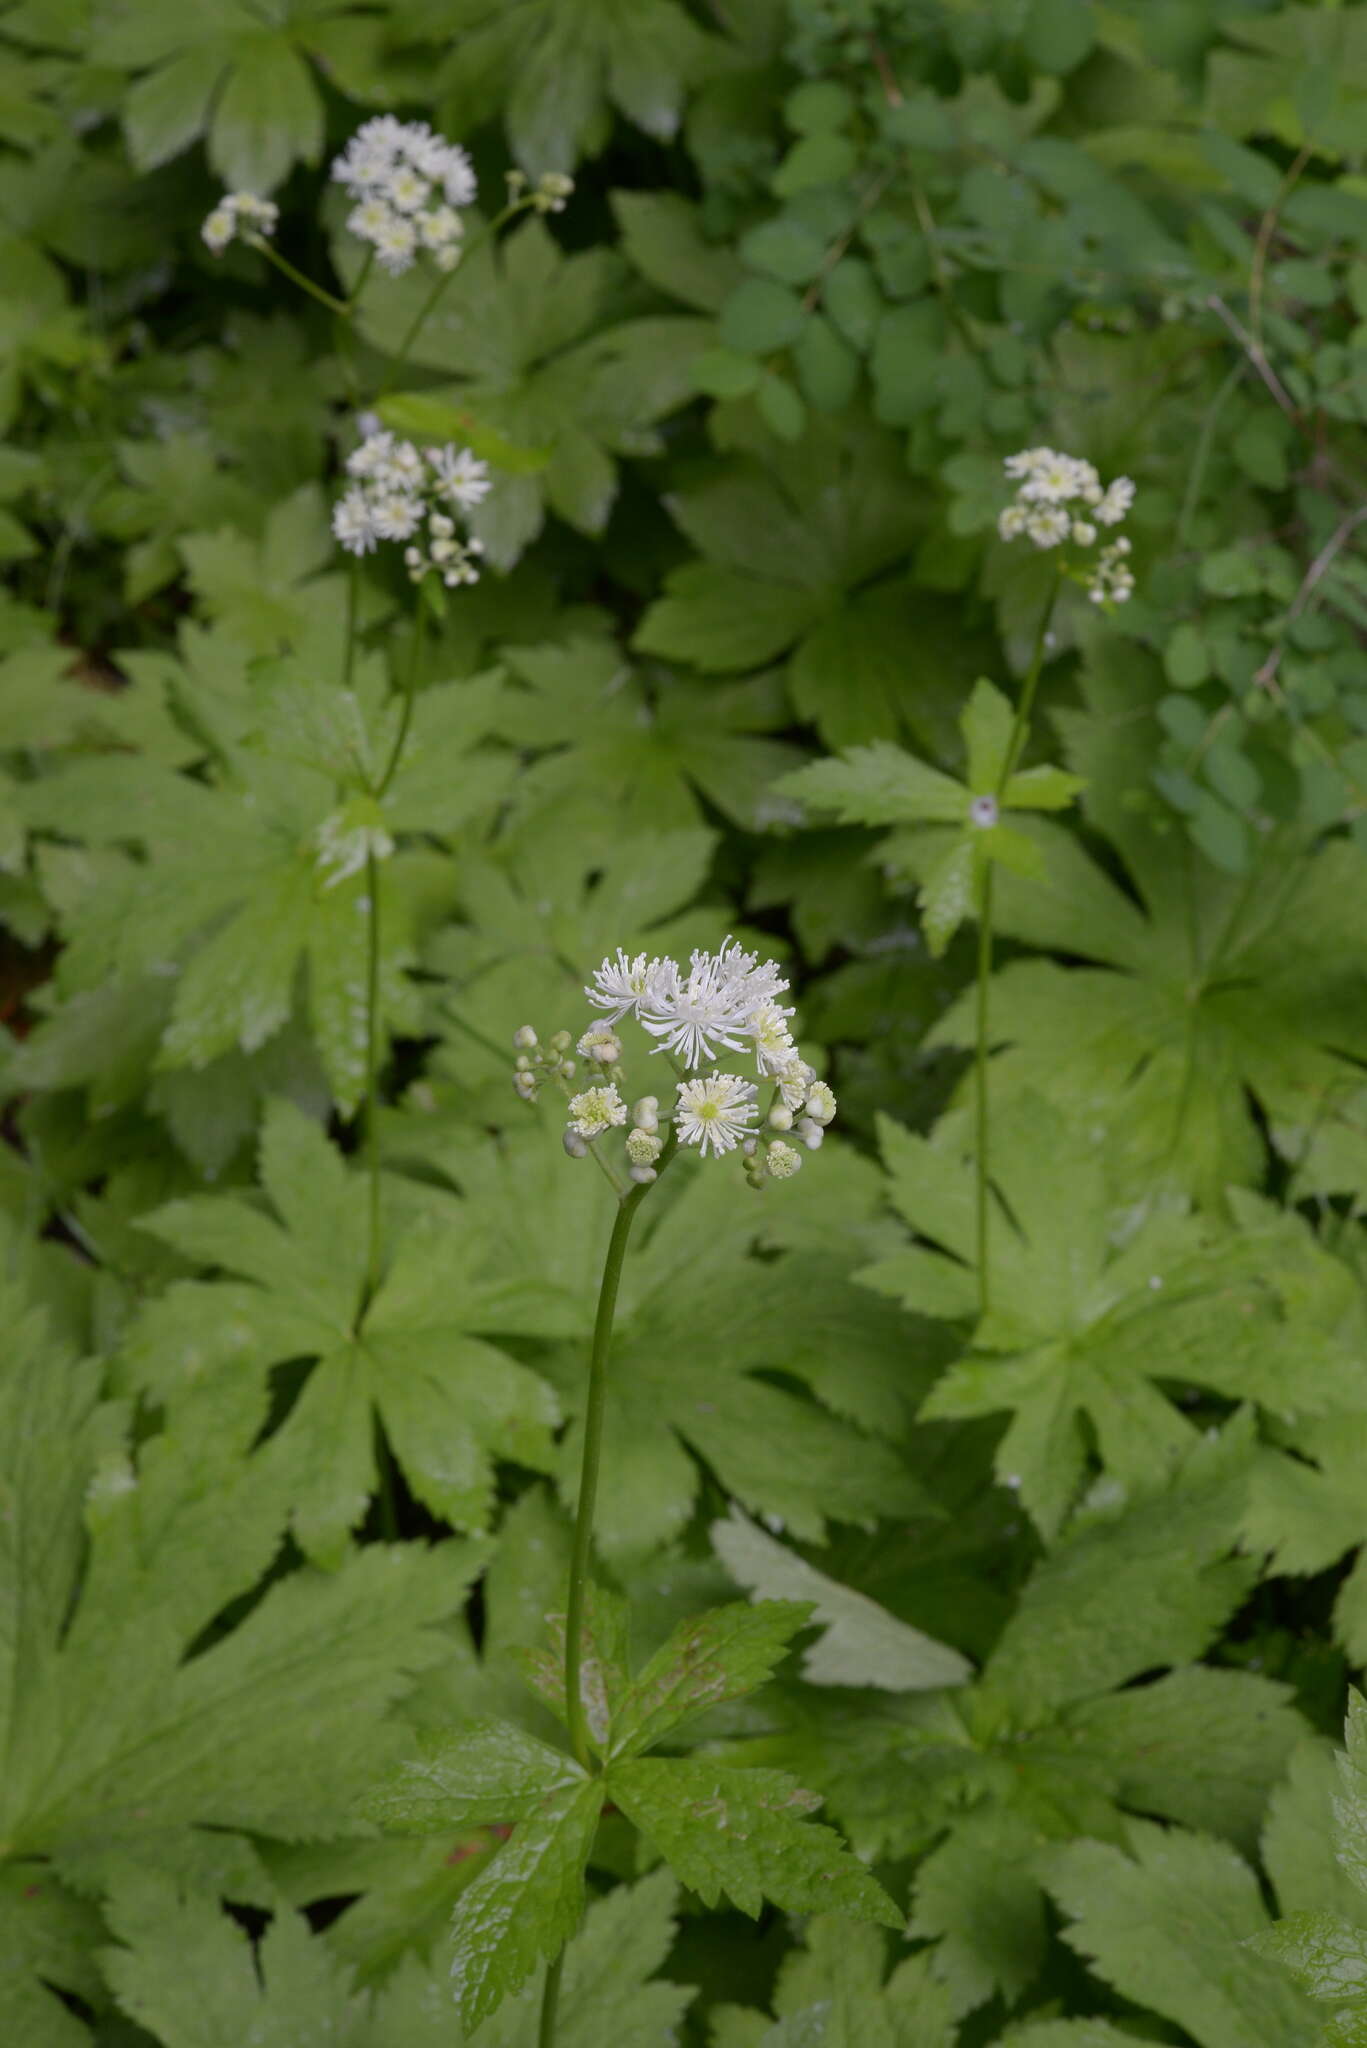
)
(590, 1464)
(372, 1072)
(444, 277)
(1015, 747)
(550, 1999)
(981, 1191)
(341, 307)
(410, 693)
(353, 606)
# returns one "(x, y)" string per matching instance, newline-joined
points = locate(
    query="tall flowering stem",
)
(592, 1458)
(1020, 727)
(727, 1000)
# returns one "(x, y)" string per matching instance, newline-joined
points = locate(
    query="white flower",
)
(461, 477)
(458, 177)
(643, 1147)
(442, 226)
(219, 228)
(1116, 502)
(982, 812)
(1011, 522)
(619, 985)
(773, 1040)
(239, 213)
(353, 522)
(596, 1111)
(1111, 580)
(711, 1005)
(396, 515)
(715, 1111)
(395, 245)
(600, 1042)
(782, 1161)
(793, 1082)
(406, 191)
(370, 219)
(821, 1102)
(1084, 533)
(1047, 526)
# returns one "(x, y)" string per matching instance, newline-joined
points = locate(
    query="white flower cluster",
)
(1060, 501)
(240, 213)
(402, 493)
(409, 186)
(723, 999)
(726, 999)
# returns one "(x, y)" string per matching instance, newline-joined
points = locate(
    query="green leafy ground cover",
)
(979, 1549)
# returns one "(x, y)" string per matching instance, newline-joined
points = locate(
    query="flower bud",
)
(525, 1085)
(820, 1102)
(811, 1134)
(643, 1175)
(644, 1114)
(524, 1038)
(782, 1161)
(749, 1146)
(643, 1148)
(780, 1119)
(560, 1041)
(574, 1144)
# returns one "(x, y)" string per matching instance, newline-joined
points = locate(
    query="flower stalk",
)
(1020, 727)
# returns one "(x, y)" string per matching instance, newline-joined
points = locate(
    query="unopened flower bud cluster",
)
(724, 1000)
(1060, 503)
(399, 492)
(409, 186)
(547, 195)
(240, 214)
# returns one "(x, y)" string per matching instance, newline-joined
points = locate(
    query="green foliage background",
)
(1088, 1575)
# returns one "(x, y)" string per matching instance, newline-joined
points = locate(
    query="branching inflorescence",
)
(1060, 503)
(722, 1001)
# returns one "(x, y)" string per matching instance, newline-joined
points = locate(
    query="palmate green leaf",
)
(524, 1906)
(131, 1727)
(1321, 1878)
(558, 68)
(240, 893)
(450, 1401)
(740, 1832)
(1168, 1925)
(1252, 986)
(649, 752)
(227, 71)
(47, 1935)
(831, 1993)
(791, 544)
(1098, 1306)
(884, 785)
(861, 1644)
(1143, 1583)
(693, 1386)
(714, 1658)
(546, 352)
(191, 1977)
(978, 1898)
(481, 1775)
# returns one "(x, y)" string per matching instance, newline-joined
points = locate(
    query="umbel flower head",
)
(1060, 503)
(240, 214)
(402, 493)
(409, 186)
(725, 1000)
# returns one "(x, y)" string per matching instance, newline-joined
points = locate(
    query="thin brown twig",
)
(1254, 351)
(1267, 227)
(1266, 676)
